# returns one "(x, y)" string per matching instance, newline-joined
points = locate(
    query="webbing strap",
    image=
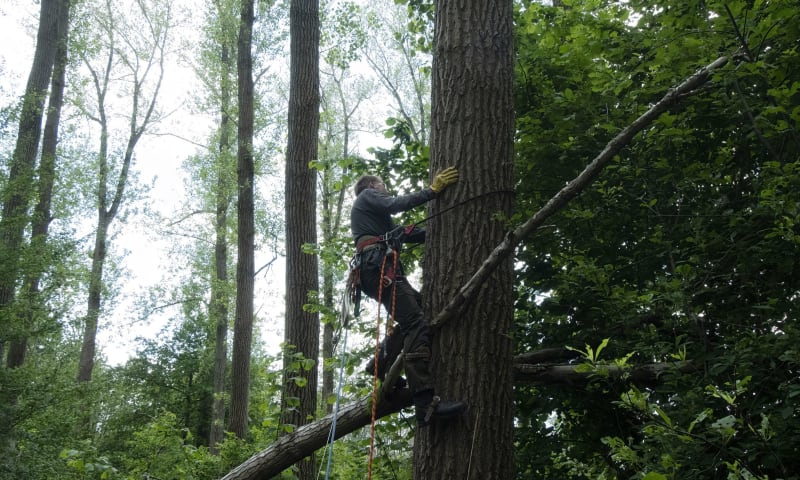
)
(360, 246)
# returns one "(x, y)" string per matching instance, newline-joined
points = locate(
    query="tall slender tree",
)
(26, 317)
(17, 193)
(46, 174)
(243, 321)
(472, 128)
(221, 43)
(302, 328)
(342, 96)
(139, 50)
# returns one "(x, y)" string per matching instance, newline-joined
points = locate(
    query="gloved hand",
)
(443, 178)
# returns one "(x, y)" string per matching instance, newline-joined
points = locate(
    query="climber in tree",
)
(378, 240)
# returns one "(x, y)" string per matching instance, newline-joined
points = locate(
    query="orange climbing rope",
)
(377, 352)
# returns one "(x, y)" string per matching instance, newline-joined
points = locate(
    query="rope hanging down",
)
(344, 317)
(352, 295)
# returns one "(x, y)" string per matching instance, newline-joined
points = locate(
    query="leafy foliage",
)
(685, 247)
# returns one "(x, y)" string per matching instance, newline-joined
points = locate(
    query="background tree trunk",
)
(145, 77)
(17, 192)
(302, 270)
(243, 323)
(472, 128)
(15, 203)
(41, 217)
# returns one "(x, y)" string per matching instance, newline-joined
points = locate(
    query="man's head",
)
(370, 181)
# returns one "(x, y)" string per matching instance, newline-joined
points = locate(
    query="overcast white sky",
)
(159, 158)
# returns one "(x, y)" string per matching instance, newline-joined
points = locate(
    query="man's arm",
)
(417, 235)
(390, 205)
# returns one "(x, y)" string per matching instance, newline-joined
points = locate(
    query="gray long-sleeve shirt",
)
(372, 211)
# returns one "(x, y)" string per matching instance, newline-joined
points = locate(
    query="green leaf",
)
(654, 476)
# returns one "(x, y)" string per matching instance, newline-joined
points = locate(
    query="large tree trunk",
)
(16, 195)
(473, 129)
(243, 323)
(302, 325)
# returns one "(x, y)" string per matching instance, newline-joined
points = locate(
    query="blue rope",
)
(336, 408)
(332, 438)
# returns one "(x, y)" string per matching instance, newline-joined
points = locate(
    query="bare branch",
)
(561, 374)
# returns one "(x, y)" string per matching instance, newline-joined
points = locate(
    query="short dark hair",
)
(364, 182)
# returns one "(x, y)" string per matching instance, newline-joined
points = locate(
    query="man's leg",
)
(413, 328)
(413, 325)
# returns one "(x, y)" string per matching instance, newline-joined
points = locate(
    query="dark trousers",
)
(412, 327)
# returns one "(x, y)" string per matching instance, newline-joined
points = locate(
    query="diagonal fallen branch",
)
(297, 445)
(291, 448)
(572, 189)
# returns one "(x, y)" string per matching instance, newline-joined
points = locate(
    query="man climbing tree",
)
(378, 241)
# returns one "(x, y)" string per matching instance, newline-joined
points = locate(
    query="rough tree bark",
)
(472, 121)
(245, 268)
(513, 238)
(299, 402)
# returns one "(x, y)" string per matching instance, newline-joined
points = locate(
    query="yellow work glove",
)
(444, 178)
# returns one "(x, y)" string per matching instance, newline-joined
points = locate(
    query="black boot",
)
(430, 407)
